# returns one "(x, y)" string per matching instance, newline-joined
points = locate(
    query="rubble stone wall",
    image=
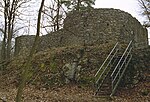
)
(0, 50)
(92, 27)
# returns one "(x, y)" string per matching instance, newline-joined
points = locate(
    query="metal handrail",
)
(107, 66)
(121, 58)
(113, 90)
(118, 70)
(106, 59)
(103, 68)
(119, 74)
(122, 65)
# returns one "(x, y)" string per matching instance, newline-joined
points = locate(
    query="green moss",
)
(86, 81)
(42, 67)
(53, 67)
(144, 92)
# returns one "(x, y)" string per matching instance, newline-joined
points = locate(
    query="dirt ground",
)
(73, 93)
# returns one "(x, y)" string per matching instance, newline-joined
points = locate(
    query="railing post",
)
(103, 71)
(112, 86)
(120, 68)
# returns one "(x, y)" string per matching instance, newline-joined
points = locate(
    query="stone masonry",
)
(91, 27)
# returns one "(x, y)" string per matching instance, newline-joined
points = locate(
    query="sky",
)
(130, 6)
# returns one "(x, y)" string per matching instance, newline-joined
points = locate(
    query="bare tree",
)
(10, 10)
(55, 11)
(145, 5)
(54, 14)
(57, 15)
(28, 63)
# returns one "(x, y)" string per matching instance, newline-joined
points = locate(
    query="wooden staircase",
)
(112, 70)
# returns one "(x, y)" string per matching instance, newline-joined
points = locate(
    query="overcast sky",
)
(130, 6)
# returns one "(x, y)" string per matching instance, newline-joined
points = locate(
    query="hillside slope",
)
(47, 84)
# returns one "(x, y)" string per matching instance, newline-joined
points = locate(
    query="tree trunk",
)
(57, 19)
(11, 18)
(3, 52)
(78, 5)
(28, 63)
(9, 40)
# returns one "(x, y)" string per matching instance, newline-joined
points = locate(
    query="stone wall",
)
(0, 50)
(92, 27)
(106, 26)
(23, 43)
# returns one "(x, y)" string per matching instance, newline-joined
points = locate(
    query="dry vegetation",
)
(41, 87)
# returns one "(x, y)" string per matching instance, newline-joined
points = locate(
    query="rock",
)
(71, 71)
(144, 92)
(135, 81)
(3, 99)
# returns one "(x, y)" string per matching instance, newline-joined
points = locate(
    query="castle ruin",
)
(91, 27)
